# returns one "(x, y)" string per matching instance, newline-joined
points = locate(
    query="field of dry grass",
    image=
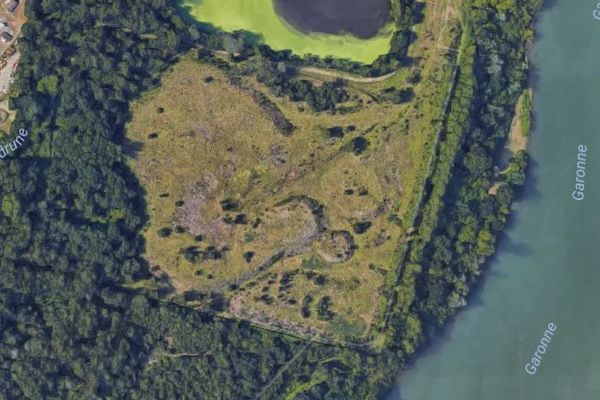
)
(300, 232)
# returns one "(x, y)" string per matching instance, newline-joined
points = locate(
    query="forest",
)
(73, 322)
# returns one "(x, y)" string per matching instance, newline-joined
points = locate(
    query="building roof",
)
(11, 5)
(6, 37)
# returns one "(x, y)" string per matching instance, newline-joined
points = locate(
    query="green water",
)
(548, 265)
(259, 16)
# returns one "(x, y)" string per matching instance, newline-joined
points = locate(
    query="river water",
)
(548, 264)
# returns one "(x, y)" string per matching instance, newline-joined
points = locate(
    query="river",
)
(547, 268)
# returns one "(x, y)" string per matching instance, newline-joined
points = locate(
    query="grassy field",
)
(300, 232)
(228, 193)
(259, 16)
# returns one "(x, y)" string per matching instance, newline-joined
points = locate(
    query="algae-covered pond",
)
(361, 18)
(360, 32)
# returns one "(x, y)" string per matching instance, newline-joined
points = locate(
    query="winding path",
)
(345, 75)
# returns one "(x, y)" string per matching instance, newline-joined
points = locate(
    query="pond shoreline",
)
(260, 18)
(363, 19)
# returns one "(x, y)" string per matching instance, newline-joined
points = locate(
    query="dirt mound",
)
(336, 246)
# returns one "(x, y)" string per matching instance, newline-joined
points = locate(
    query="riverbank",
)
(545, 269)
(518, 137)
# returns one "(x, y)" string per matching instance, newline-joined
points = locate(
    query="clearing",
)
(295, 231)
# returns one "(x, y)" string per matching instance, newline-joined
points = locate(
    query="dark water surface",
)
(361, 18)
(548, 264)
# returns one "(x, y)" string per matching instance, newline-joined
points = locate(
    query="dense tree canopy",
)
(72, 322)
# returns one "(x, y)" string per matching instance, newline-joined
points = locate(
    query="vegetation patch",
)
(80, 316)
(266, 216)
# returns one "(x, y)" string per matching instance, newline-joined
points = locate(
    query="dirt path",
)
(345, 75)
(284, 368)
(173, 356)
(322, 72)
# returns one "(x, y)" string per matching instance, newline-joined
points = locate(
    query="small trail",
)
(422, 195)
(282, 370)
(345, 75)
(173, 356)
